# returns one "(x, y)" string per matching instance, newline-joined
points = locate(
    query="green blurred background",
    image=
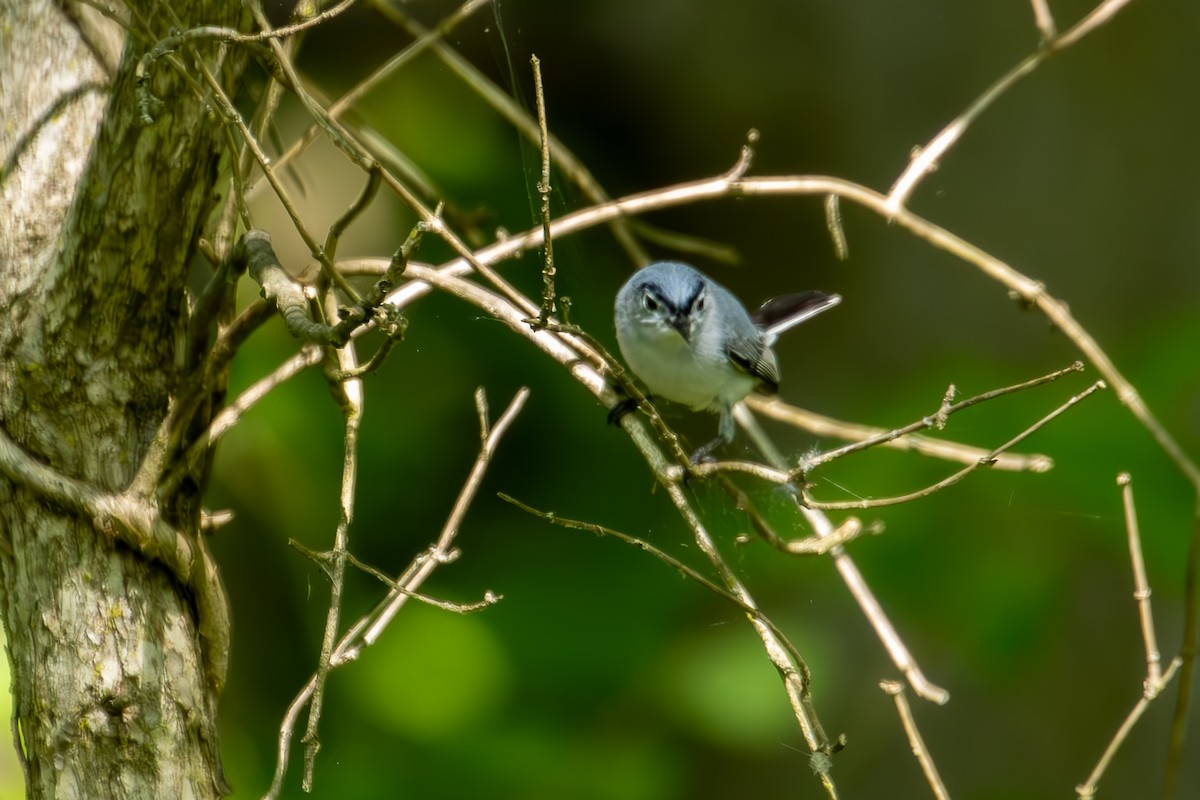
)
(602, 674)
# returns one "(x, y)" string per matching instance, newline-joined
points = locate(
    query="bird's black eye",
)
(649, 302)
(700, 302)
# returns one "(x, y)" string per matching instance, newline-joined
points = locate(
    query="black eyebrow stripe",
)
(695, 295)
(656, 290)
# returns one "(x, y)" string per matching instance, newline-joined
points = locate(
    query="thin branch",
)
(920, 750)
(442, 548)
(962, 473)
(850, 528)
(1044, 20)
(665, 557)
(820, 425)
(824, 528)
(499, 99)
(1155, 679)
(309, 355)
(1087, 790)
(354, 640)
(228, 35)
(360, 204)
(349, 397)
(1102, 14)
(1141, 585)
(368, 84)
(936, 420)
(490, 598)
(543, 187)
(897, 650)
(985, 458)
(789, 671)
(925, 159)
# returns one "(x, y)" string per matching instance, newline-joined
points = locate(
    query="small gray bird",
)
(691, 341)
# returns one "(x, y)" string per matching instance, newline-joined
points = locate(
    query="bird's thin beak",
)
(680, 323)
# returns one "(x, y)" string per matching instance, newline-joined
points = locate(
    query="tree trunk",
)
(114, 695)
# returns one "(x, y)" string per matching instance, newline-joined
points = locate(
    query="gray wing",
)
(751, 355)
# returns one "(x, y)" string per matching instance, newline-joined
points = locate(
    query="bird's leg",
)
(725, 430)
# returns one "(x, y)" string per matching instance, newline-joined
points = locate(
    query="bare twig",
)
(794, 681)
(820, 425)
(962, 473)
(937, 420)
(309, 355)
(896, 690)
(1155, 679)
(543, 187)
(1044, 20)
(351, 644)
(442, 548)
(567, 162)
(925, 159)
(823, 528)
(339, 107)
(980, 457)
(349, 396)
(1087, 790)
(1141, 585)
(896, 648)
(490, 598)
(669, 560)
(360, 204)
